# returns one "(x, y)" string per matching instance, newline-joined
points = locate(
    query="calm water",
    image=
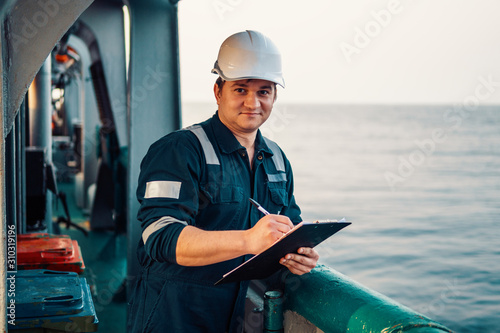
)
(421, 185)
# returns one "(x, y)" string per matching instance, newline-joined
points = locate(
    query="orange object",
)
(45, 251)
(62, 58)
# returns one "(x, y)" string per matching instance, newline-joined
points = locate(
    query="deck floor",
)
(105, 257)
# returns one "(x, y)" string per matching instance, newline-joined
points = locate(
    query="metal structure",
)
(40, 115)
(28, 32)
(154, 92)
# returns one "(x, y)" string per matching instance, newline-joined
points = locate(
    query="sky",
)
(364, 52)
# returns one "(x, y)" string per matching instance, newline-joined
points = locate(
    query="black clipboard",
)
(264, 264)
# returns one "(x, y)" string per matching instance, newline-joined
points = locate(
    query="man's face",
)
(244, 105)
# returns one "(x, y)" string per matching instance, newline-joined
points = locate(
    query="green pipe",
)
(273, 311)
(335, 303)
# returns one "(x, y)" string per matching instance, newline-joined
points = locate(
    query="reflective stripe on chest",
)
(212, 159)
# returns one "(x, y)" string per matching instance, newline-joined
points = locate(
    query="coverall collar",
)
(228, 143)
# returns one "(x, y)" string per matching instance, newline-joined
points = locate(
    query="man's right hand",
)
(197, 247)
(267, 231)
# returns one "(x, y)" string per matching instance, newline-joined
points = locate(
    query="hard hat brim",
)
(278, 80)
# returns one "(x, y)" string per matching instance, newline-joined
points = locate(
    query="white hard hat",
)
(249, 55)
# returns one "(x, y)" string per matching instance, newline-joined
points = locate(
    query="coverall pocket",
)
(223, 193)
(192, 308)
(220, 206)
(136, 307)
(278, 193)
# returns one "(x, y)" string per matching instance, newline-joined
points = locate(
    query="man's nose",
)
(252, 101)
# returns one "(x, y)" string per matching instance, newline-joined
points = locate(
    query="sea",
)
(421, 186)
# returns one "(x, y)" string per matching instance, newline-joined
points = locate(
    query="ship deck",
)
(105, 257)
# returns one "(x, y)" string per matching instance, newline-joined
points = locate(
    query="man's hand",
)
(301, 263)
(267, 231)
(271, 228)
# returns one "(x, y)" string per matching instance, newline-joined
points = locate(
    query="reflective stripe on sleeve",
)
(208, 149)
(279, 163)
(162, 189)
(277, 177)
(161, 223)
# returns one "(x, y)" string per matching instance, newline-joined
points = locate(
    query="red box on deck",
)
(46, 251)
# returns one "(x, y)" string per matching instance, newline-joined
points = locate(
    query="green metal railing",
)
(335, 303)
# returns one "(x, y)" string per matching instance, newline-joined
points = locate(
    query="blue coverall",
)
(201, 176)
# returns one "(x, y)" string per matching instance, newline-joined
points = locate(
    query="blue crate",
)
(53, 300)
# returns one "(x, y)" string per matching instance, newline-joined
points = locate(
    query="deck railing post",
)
(273, 311)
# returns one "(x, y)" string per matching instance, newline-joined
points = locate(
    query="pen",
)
(258, 206)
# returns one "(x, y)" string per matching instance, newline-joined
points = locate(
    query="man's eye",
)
(264, 92)
(239, 90)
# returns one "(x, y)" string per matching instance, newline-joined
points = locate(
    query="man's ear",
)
(217, 93)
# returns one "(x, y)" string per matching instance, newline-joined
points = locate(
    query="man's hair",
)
(220, 83)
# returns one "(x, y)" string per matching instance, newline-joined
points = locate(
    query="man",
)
(194, 187)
